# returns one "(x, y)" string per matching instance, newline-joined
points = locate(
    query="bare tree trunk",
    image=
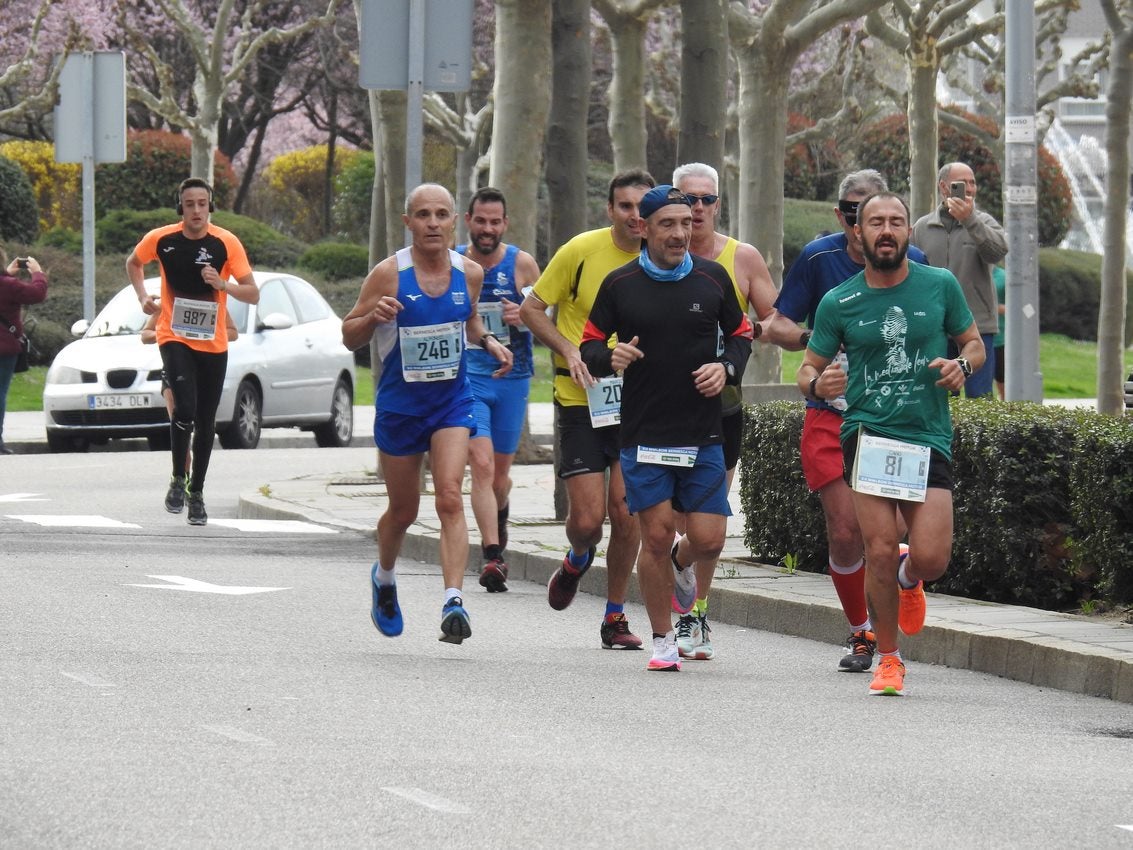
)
(704, 78)
(1111, 310)
(392, 111)
(378, 240)
(567, 160)
(627, 105)
(522, 96)
(924, 135)
(328, 175)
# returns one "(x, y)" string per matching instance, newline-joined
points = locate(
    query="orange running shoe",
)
(889, 680)
(911, 602)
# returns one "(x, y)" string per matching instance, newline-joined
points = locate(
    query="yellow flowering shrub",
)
(296, 184)
(57, 185)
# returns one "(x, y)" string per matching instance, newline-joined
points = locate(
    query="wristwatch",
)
(813, 389)
(486, 336)
(729, 369)
(965, 366)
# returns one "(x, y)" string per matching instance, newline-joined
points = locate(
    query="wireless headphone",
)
(192, 183)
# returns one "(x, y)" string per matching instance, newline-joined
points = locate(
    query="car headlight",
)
(58, 374)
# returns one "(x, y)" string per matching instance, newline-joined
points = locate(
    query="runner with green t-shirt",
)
(894, 320)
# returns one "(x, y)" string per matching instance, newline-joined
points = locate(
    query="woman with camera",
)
(15, 292)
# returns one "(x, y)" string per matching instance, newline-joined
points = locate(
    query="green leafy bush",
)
(63, 238)
(156, 163)
(19, 217)
(336, 260)
(1043, 503)
(353, 196)
(119, 231)
(803, 221)
(1070, 293)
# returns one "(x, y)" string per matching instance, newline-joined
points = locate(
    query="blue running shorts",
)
(401, 434)
(701, 488)
(499, 406)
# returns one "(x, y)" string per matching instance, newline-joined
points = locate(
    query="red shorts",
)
(820, 448)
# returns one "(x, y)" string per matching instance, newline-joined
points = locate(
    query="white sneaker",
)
(688, 635)
(704, 650)
(684, 585)
(665, 655)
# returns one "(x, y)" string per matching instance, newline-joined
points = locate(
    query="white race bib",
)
(890, 468)
(676, 456)
(605, 401)
(193, 319)
(431, 352)
(492, 316)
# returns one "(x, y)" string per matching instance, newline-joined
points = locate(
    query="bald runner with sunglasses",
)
(823, 264)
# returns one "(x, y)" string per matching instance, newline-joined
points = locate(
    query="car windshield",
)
(121, 317)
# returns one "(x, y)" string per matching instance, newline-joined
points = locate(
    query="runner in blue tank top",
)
(499, 407)
(418, 302)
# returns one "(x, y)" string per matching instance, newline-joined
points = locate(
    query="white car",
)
(288, 368)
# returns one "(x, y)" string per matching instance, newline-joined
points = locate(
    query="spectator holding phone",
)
(15, 292)
(968, 242)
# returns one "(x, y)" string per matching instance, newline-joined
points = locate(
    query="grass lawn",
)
(1069, 371)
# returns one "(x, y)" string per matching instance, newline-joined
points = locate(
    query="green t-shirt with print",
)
(890, 336)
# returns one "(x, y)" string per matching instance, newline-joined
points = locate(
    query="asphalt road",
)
(141, 706)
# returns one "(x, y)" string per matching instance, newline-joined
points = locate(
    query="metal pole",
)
(415, 95)
(1023, 378)
(88, 186)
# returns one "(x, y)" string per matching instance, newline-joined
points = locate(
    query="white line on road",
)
(89, 681)
(277, 526)
(23, 497)
(1128, 826)
(239, 735)
(73, 521)
(191, 584)
(429, 801)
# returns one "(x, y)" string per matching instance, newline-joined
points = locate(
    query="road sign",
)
(385, 44)
(92, 88)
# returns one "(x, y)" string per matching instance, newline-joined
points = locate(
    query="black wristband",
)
(813, 392)
(487, 336)
(804, 338)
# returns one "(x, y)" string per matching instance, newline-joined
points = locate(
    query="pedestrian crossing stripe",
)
(72, 521)
(258, 526)
(278, 526)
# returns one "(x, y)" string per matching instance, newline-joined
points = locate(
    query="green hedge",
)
(119, 231)
(337, 260)
(1043, 502)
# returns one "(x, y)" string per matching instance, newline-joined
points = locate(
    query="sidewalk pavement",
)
(1043, 648)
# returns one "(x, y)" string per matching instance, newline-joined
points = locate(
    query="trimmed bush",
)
(63, 238)
(1070, 294)
(803, 221)
(57, 185)
(119, 231)
(156, 163)
(1043, 503)
(336, 260)
(19, 218)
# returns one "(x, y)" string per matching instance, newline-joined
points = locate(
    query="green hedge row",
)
(1043, 502)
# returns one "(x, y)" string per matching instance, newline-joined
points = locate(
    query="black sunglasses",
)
(707, 200)
(849, 210)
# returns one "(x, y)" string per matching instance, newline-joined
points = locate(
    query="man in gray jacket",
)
(968, 242)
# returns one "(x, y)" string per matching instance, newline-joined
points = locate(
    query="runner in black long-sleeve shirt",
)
(670, 311)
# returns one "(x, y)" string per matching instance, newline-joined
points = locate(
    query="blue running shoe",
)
(454, 621)
(385, 613)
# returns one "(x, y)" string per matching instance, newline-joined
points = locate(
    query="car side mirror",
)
(79, 328)
(276, 322)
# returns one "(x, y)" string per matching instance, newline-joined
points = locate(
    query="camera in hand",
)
(958, 189)
(21, 262)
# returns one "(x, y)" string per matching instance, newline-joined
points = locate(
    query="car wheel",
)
(160, 442)
(64, 443)
(339, 429)
(247, 419)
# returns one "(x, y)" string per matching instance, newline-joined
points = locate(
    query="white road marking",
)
(89, 681)
(73, 521)
(239, 735)
(429, 801)
(23, 497)
(180, 583)
(1128, 826)
(283, 526)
